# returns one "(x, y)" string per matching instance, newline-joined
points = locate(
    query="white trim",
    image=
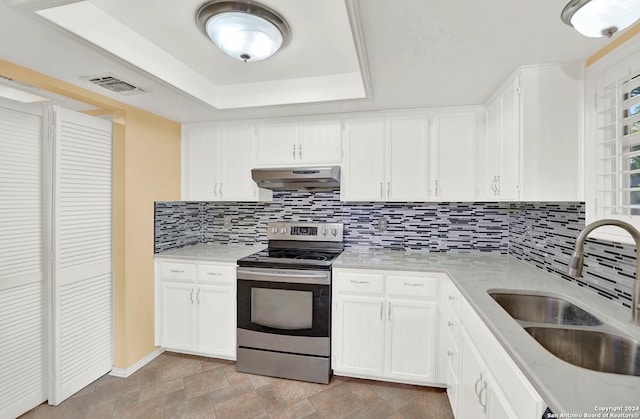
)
(126, 372)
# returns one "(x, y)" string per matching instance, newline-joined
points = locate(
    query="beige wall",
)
(146, 168)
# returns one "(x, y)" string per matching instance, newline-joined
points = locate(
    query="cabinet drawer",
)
(184, 272)
(412, 286)
(452, 324)
(453, 297)
(358, 283)
(216, 273)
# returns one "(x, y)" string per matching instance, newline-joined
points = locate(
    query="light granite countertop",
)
(212, 252)
(564, 387)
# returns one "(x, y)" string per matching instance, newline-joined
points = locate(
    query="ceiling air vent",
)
(114, 83)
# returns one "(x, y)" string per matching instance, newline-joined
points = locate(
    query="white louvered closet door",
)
(22, 293)
(82, 290)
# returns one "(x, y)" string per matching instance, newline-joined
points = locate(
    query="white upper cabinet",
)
(299, 143)
(217, 163)
(453, 156)
(364, 165)
(531, 150)
(385, 159)
(407, 158)
(411, 156)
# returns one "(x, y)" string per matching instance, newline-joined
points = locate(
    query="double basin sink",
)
(572, 333)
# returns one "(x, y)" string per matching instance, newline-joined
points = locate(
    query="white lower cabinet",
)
(196, 307)
(385, 325)
(487, 383)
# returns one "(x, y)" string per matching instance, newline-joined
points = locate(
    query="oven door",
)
(284, 301)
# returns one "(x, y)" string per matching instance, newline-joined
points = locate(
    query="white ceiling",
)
(413, 53)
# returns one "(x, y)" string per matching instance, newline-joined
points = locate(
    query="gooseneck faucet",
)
(575, 263)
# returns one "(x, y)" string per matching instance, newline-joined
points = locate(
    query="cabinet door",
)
(216, 326)
(453, 157)
(178, 316)
(200, 149)
(407, 156)
(320, 142)
(277, 144)
(236, 160)
(363, 174)
(411, 340)
(509, 146)
(472, 387)
(497, 405)
(358, 335)
(489, 155)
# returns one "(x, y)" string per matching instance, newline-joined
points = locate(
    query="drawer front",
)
(452, 323)
(412, 286)
(183, 272)
(216, 274)
(358, 283)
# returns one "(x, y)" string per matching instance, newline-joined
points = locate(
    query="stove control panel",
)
(305, 231)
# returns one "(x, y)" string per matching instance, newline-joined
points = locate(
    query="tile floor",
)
(184, 386)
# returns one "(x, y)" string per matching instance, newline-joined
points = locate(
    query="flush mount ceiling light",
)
(597, 18)
(244, 30)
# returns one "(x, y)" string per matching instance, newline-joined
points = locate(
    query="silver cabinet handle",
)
(381, 191)
(493, 186)
(294, 151)
(483, 390)
(450, 324)
(176, 271)
(214, 273)
(451, 298)
(191, 295)
(417, 284)
(220, 189)
(215, 186)
(449, 354)
(300, 151)
(389, 314)
(475, 386)
(198, 296)
(381, 310)
(437, 192)
(388, 189)
(358, 282)
(498, 184)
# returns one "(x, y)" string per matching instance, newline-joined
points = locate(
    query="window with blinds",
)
(618, 149)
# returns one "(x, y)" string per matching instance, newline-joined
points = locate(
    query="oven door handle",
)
(299, 277)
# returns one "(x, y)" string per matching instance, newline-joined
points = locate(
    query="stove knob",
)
(324, 231)
(334, 231)
(283, 230)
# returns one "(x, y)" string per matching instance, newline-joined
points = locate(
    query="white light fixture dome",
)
(244, 30)
(598, 18)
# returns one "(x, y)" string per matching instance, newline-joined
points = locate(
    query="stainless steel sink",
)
(544, 309)
(598, 351)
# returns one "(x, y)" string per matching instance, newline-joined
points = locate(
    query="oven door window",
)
(284, 308)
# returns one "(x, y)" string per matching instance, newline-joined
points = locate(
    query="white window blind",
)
(22, 297)
(618, 149)
(82, 290)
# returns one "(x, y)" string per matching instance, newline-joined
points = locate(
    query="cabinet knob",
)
(449, 354)
(450, 324)
(451, 298)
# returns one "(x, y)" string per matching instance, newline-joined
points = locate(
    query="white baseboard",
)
(126, 372)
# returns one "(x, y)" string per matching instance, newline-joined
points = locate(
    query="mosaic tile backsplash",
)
(542, 234)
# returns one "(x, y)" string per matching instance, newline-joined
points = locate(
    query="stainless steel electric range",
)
(284, 302)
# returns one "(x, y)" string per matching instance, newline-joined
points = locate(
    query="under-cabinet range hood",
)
(298, 178)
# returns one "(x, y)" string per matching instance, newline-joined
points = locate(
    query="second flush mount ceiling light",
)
(597, 18)
(244, 30)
